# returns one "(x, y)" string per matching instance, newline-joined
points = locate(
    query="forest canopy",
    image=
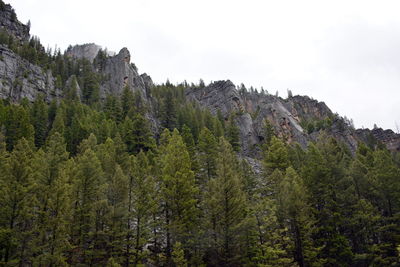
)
(90, 184)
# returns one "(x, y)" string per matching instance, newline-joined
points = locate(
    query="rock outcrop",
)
(387, 137)
(88, 51)
(251, 110)
(10, 23)
(120, 72)
(295, 119)
(288, 117)
(20, 79)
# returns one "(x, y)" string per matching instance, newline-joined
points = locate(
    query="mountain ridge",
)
(295, 119)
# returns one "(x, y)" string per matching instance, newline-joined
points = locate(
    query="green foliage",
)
(18, 201)
(226, 205)
(90, 84)
(207, 148)
(178, 191)
(232, 134)
(39, 119)
(178, 256)
(313, 125)
(275, 156)
(168, 112)
(97, 190)
(17, 125)
(269, 132)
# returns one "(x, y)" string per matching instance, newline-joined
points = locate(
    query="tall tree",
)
(88, 199)
(232, 133)
(179, 193)
(53, 192)
(18, 202)
(226, 205)
(297, 217)
(142, 204)
(324, 177)
(168, 111)
(39, 120)
(17, 125)
(207, 147)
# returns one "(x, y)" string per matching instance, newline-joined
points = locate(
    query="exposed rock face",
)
(386, 137)
(252, 110)
(307, 108)
(119, 72)
(221, 95)
(88, 51)
(20, 79)
(285, 115)
(10, 23)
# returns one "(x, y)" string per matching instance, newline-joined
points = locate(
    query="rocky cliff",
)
(87, 51)
(120, 72)
(295, 119)
(387, 137)
(20, 79)
(10, 23)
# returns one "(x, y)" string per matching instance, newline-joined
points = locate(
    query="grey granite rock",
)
(20, 79)
(252, 110)
(88, 51)
(285, 115)
(10, 23)
(386, 137)
(220, 95)
(119, 72)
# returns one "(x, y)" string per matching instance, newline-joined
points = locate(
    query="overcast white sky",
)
(345, 53)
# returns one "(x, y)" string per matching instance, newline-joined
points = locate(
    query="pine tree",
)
(179, 193)
(269, 132)
(178, 255)
(127, 101)
(88, 200)
(168, 111)
(324, 177)
(226, 205)
(297, 218)
(58, 124)
(276, 156)
(91, 86)
(187, 137)
(272, 238)
(17, 125)
(39, 120)
(117, 196)
(137, 135)
(142, 136)
(384, 177)
(207, 147)
(53, 194)
(232, 134)
(18, 201)
(142, 204)
(113, 108)
(71, 93)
